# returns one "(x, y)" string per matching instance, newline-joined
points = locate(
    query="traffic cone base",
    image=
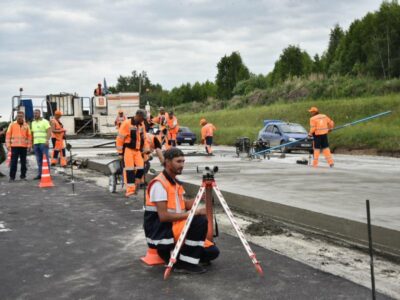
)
(45, 180)
(152, 258)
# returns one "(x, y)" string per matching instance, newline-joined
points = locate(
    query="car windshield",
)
(293, 128)
(184, 129)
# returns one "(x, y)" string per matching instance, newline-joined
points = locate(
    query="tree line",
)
(370, 47)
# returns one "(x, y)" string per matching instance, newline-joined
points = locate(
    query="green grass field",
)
(382, 134)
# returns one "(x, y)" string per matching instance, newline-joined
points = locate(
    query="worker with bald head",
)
(320, 126)
(207, 133)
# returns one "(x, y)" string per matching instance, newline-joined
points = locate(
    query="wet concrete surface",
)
(331, 200)
(87, 246)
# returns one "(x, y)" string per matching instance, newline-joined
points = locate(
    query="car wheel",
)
(179, 143)
(191, 143)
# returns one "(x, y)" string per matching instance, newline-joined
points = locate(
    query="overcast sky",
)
(69, 46)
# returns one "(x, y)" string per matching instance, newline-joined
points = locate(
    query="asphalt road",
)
(54, 245)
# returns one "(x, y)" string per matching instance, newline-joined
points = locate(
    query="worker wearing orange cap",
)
(320, 126)
(57, 139)
(207, 133)
(120, 118)
(173, 128)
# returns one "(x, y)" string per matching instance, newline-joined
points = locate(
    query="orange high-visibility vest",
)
(18, 135)
(119, 120)
(320, 124)
(162, 120)
(173, 124)
(131, 135)
(57, 126)
(175, 201)
(207, 130)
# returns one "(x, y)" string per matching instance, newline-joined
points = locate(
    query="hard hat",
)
(313, 109)
(203, 121)
(58, 113)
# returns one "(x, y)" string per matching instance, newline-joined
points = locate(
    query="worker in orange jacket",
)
(19, 142)
(119, 119)
(320, 126)
(98, 91)
(161, 119)
(207, 133)
(58, 140)
(173, 128)
(130, 142)
(154, 145)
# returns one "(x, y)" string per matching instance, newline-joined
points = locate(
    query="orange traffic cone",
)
(8, 162)
(45, 180)
(152, 258)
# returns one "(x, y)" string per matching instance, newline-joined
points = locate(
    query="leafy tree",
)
(335, 37)
(231, 70)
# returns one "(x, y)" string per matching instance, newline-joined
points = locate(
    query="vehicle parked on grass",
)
(277, 132)
(185, 135)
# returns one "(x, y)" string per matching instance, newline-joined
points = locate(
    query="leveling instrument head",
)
(207, 170)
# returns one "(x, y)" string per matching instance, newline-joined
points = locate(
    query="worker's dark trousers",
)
(2, 154)
(192, 249)
(209, 254)
(18, 152)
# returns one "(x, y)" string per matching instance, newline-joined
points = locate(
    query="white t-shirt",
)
(159, 194)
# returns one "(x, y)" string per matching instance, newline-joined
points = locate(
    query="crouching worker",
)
(165, 215)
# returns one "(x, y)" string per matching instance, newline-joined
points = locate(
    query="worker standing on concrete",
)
(173, 128)
(19, 142)
(57, 138)
(166, 213)
(130, 142)
(120, 118)
(161, 119)
(41, 131)
(207, 133)
(320, 126)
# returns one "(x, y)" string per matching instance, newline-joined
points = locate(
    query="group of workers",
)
(139, 136)
(22, 137)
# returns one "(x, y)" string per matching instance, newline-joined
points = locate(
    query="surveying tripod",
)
(208, 186)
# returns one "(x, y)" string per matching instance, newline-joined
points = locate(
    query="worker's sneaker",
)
(37, 177)
(11, 180)
(186, 268)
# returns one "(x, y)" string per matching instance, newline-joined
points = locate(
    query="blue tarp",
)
(27, 103)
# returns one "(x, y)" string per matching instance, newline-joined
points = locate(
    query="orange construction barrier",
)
(8, 162)
(45, 180)
(152, 258)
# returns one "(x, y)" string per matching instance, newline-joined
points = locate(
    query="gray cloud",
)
(52, 46)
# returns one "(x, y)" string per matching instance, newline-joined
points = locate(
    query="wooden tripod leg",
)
(238, 230)
(182, 237)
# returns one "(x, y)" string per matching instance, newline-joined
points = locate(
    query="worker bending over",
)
(320, 126)
(165, 215)
(119, 119)
(161, 119)
(57, 139)
(130, 142)
(154, 145)
(207, 133)
(173, 128)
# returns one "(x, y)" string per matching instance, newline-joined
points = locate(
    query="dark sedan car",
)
(185, 136)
